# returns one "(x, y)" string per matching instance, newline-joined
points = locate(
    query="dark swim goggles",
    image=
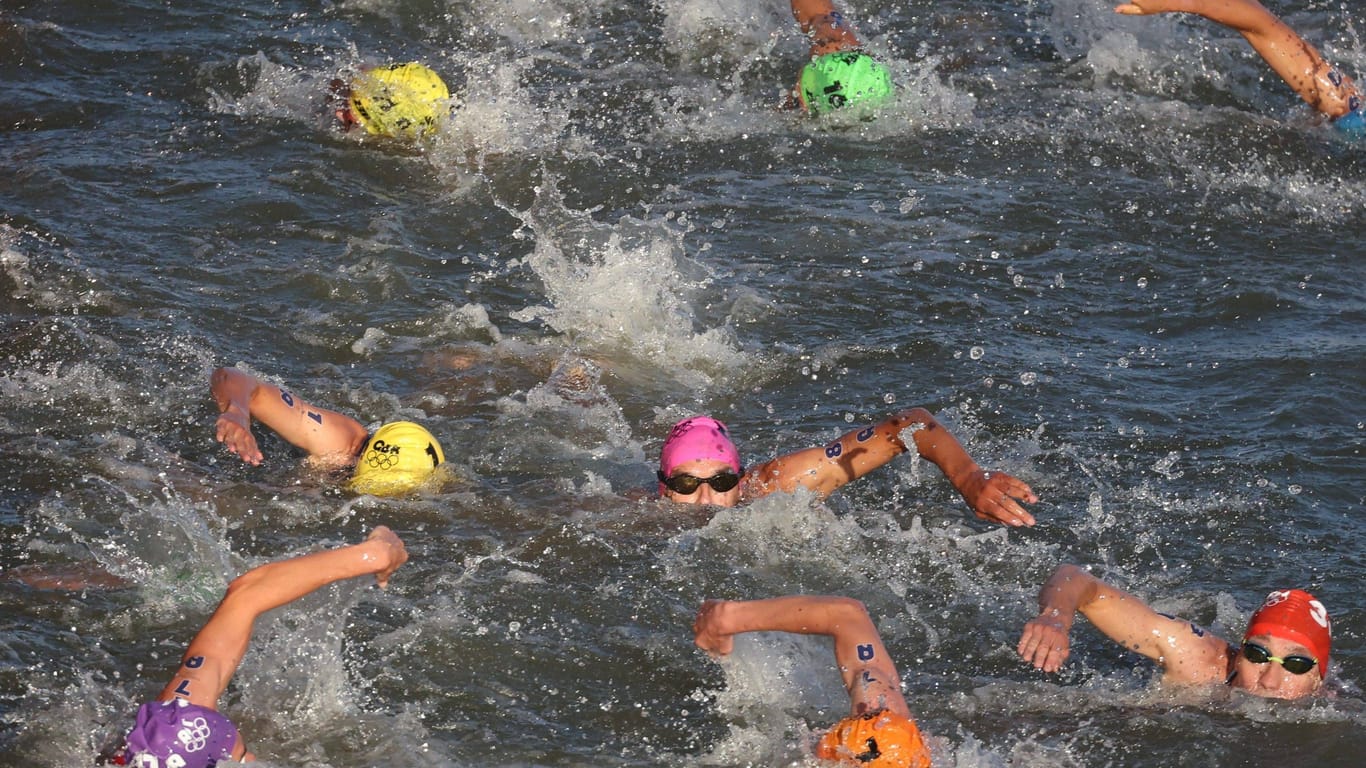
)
(1295, 665)
(686, 485)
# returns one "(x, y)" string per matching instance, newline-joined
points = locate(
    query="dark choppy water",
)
(1115, 255)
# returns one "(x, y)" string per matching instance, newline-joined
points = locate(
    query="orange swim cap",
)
(882, 739)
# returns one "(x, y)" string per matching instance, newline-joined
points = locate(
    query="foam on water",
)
(500, 117)
(623, 288)
(1077, 26)
(274, 91)
(493, 114)
(768, 688)
(568, 426)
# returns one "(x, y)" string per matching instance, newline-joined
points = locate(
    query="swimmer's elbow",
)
(246, 590)
(917, 415)
(844, 613)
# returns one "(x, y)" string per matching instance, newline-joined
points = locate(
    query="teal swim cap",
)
(843, 78)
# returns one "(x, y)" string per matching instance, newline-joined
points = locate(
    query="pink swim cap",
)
(700, 437)
(1294, 615)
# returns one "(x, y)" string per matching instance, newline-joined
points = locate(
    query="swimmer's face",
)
(704, 494)
(346, 118)
(1272, 680)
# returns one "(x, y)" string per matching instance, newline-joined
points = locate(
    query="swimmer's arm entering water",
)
(826, 27)
(869, 674)
(991, 495)
(1186, 653)
(215, 652)
(241, 397)
(1298, 63)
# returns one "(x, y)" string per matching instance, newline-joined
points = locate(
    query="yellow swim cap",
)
(881, 739)
(396, 459)
(399, 100)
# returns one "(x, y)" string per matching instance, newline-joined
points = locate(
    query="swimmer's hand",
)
(1044, 642)
(389, 553)
(1148, 7)
(996, 496)
(708, 629)
(234, 431)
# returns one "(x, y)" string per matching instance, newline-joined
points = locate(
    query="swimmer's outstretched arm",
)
(1298, 63)
(827, 27)
(215, 652)
(241, 397)
(1185, 652)
(991, 495)
(869, 674)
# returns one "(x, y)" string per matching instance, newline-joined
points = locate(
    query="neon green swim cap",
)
(843, 78)
(399, 100)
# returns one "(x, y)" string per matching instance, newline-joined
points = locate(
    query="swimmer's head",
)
(178, 733)
(841, 79)
(398, 100)
(700, 437)
(1295, 616)
(880, 739)
(697, 453)
(398, 458)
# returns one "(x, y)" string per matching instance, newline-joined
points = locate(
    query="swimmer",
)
(182, 726)
(880, 731)
(1284, 653)
(395, 460)
(700, 465)
(1298, 63)
(402, 101)
(840, 73)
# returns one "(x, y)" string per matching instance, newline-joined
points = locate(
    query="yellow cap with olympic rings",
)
(399, 457)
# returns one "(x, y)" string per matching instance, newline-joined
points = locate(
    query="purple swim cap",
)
(178, 733)
(700, 437)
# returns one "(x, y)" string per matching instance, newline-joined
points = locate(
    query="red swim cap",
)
(700, 437)
(1295, 615)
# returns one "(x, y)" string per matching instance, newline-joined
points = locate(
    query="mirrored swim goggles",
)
(686, 485)
(1295, 665)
